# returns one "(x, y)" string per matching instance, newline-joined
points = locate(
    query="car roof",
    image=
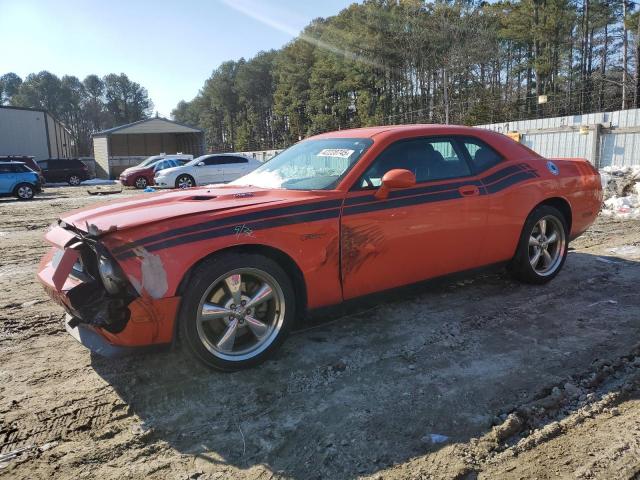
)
(370, 132)
(13, 162)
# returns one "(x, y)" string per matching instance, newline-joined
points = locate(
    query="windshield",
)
(308, 165)
(148, 161)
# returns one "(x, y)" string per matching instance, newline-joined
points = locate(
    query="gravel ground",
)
(473, 377)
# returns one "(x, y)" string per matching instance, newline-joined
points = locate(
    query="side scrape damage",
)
(358, 244)
(154, 277)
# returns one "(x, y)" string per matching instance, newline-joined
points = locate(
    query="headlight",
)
(111, 275)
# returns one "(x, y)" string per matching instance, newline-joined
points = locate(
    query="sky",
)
(169, 47)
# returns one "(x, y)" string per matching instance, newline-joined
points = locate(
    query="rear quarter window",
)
(482, 156)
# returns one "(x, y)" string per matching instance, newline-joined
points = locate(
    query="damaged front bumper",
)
(107, 321)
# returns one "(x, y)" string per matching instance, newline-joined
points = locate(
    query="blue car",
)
(18, 180)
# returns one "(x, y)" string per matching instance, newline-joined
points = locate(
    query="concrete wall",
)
(605, 138)
(117, 165)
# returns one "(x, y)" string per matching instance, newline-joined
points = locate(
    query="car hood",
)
(132, 170)
(169, 171)
(120, 215)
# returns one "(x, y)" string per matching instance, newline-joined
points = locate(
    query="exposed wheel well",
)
(562, 205)
(15, 189)
(284, 260)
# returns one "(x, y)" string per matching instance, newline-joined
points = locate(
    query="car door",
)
(431, 229)
(503, 228)
(210, 172)
(7, 178)
(234, 167)
(57, 171)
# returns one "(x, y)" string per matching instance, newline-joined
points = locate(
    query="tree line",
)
(410, 61)
(85, 107)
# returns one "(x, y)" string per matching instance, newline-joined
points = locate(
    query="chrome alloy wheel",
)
(547, 245)
(240, 314)
(141, 182)
(184, 181)
(25, 192)
(74, 180)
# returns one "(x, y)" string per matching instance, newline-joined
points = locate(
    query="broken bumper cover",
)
(98, 344)
(107, 324)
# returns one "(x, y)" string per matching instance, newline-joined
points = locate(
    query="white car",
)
(214, 168)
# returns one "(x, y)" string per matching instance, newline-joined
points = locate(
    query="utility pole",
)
(625, 54)
(636, 93)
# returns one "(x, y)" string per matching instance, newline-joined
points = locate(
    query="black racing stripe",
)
(402, 202)
(230, 229)
(310, 212)
(232, 220)
(509, 181)
(513, 176)
(442, 187)
(414, 191)
(499, 175)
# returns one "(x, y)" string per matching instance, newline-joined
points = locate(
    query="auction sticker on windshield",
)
(336, 152)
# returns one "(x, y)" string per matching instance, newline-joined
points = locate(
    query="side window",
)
(5, 168)
(240, 160)
(161, 165)
(428, 158)
(228, 160)
(212, 161)
(482, 155)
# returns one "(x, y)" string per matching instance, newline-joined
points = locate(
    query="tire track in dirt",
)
(62, 422)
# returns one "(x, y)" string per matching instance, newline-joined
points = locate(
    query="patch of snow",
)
(93, 181)
(100, 181)
(621, 187)
(626, 251)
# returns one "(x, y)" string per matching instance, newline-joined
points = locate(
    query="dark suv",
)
(72, 171)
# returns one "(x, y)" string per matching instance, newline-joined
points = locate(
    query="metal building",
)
(127, 145)
(605, 138)
(34, 132)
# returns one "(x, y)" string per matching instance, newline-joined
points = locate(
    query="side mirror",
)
(393, 179)
(200, 164)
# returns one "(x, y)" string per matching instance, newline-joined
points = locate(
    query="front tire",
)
(185, 181)
(237, 310)
(140, 183)
(24, 191)
(542, 249)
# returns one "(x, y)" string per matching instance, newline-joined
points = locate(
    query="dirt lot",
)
(479, 377)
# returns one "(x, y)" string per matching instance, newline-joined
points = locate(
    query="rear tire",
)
(185, 181)
(236, 311)
(74, 180)
(24, 191)
(542, 249)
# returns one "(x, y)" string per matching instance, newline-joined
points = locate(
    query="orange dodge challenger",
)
(229, 268)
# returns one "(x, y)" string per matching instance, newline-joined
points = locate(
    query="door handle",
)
(469, 191)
